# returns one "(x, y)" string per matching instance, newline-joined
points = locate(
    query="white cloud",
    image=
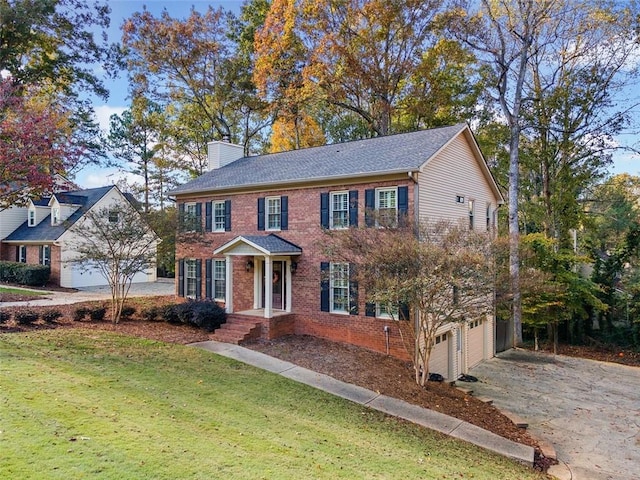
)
(104, 112)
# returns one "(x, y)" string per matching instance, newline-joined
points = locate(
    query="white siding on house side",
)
(454, 172)
(10, 219)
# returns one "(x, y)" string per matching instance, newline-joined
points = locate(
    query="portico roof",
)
(268, 245)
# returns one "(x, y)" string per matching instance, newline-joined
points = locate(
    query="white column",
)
(268, 286)
(257, 278)
(287, 286)
(228, 304)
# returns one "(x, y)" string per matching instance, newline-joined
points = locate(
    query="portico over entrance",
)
(272, 260)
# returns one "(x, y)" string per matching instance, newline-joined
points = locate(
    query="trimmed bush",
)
(207, 314)
(50, 316)
(97, 314)
(26, 317)
(170, 314)
(152, 314)
(127, 312)
(80, 314)
(24, 273)
(4, 317)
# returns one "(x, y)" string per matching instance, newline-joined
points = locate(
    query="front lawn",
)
(91, 404)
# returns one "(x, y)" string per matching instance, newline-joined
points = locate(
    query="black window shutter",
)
(261, 213)
(198, 278)
(324, 210)
(369, 205)
(324, 286)
(370, 309)
(17, 253)
(404, 311)
(198, 225)
(353, 290)
(208, 220)
(403, 200)
(353, 208)
(208, 274)
(181, 217)
(284, 212)
(227, 215)
(181, 278)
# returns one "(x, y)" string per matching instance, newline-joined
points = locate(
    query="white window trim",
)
(22, 253)
(332, 308)
(46, 259)
(386, 189)
(266, 214)
(55, 216)
(223, 279)
(386, 315)
(190, 216)
(188, 263)
(331, 210)
(214, 225)
(472, 214)
(32, 217)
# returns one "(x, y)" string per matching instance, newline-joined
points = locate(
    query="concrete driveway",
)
(589, 410)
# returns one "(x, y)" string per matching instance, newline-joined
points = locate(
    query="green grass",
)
(20, 291)
(86, 404)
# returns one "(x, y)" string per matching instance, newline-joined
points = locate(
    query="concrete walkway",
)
(588, 410)
(162, 286)
(392, 406)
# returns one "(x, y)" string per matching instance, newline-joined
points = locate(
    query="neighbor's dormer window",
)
(55, 215)
(32, 217)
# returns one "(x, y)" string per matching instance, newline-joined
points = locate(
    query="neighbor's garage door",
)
(439, 361)
(476, 342)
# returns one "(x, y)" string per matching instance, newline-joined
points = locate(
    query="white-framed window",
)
(387, 311)
(218, 216)
(339, 210)
(459, 198)
(219, 279)
(441, 338)
(22, 254)
(475, 323)
(55, 215)
(339, 288)
(387, 205)
(190, 278)
(273, 213)
(190, 218)
(32, 217)
(45, 254)
(472, 205)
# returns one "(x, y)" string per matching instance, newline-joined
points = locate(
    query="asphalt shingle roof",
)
(273, 243)
(44, 231)
(379, 155)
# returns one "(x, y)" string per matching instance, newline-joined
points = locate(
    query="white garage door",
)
(439, 362)
(475, 342)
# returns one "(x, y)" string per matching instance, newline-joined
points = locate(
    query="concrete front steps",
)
(238, 329)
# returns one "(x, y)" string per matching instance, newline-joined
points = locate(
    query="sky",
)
(118, 102)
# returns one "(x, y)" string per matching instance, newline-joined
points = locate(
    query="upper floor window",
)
(219, 216)
(113, 216)
(472, 204)
(387, 311)
(339, 213)
(273, 213)
(32, 217)
(190, 217)
(55, 215)
(385, 205)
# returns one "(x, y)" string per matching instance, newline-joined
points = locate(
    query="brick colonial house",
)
(42, 232)
(257, 225)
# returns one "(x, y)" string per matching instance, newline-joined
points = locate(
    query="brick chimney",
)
(223, 153)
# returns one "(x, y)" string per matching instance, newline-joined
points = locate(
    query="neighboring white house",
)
(46, 234)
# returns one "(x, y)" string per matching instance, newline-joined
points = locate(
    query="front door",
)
(278, 297)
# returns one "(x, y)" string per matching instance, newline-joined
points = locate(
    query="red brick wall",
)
(306, 232)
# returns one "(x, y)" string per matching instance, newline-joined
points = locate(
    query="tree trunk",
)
(514, 234)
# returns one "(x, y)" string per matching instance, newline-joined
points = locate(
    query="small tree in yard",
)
(118, 243)
(424, 275)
